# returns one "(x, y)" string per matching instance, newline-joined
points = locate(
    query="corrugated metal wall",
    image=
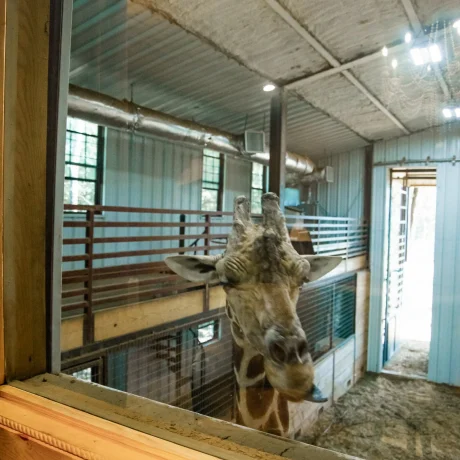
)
(440, 143)
(146, 172)
(345, 196)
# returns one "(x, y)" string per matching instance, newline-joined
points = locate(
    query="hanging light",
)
(385, 51)
(408, 37)
(394, 63)
(269, 87)
(457, 26)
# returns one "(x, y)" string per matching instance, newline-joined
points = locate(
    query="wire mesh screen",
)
(188, 366)
(327, 314)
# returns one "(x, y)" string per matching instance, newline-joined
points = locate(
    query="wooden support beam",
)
(277, 163)
(24, 186)
(2, 138)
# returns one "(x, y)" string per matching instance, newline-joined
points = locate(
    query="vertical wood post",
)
(2, 123)
(25, 186)
(88, 323)
(277, 164)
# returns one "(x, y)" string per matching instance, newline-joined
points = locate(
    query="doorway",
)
(410, 271)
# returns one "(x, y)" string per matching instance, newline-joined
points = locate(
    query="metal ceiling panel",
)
(123, 50)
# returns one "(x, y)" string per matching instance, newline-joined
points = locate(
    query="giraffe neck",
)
(259, 405)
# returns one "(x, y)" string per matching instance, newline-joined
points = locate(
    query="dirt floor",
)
(411, 359)
(385, 418)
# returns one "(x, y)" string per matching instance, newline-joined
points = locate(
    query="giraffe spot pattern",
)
(255, 367)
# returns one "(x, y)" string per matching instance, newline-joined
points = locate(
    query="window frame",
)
(99, 181)
(220, 184)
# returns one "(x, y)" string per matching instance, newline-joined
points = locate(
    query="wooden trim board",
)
(70, 433)
(212, 436)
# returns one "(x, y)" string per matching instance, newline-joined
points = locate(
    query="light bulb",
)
(447, 113)
(457, 112)
(435, 53)
(269, 87)
(394, 63)
(408, 37)
(385, 51)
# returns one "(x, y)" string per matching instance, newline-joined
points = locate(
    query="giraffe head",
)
(262, 275)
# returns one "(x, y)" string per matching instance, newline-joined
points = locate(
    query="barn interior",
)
(350, 112)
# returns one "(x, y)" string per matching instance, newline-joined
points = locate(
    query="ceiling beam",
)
(320, 49)
(335, 70)
(417, 27)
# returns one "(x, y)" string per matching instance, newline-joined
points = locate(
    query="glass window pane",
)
(79, 192)
(206, 332)
(209, 200)
(256, 205)
(84, 374)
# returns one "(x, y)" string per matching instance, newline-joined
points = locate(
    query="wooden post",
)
(2, 122)
(88, 323)
(25, 186)
(368, 166)
(277, 164)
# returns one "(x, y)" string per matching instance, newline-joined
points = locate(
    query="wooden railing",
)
(114, 255)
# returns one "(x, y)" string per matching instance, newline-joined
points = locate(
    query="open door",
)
(395, 266)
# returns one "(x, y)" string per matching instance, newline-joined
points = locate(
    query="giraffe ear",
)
(198, 269)
(320, 265)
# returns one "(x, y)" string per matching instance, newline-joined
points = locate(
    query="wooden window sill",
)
(100, 420)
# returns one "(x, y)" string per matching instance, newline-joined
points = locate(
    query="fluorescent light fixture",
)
(447, 113)
(435, 53)
(457, 26)
(269, 87)
(385, 51)
(408, 37)
(394, 63)
(422, 56)
(457, 112)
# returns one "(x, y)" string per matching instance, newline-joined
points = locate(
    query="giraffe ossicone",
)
(262, 276)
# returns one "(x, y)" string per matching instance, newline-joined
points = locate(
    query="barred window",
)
(211, 197)
(84, 153)
(258, 187)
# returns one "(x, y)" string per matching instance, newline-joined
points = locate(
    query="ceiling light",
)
(269, 87)
(408, 37)
(457, 112)
(394, 63)
(435, 53)
(447, 113)
(422, 56)
(457, 26)
(385, 51)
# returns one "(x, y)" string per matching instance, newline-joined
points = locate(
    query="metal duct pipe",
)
(108, 111)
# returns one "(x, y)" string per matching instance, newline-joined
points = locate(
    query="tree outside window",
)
(258, 187)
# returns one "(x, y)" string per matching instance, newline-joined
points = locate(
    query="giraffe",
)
(262, 276)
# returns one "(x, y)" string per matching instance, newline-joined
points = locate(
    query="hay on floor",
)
(382, 418)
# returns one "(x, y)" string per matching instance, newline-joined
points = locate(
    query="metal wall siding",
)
(153, 173)
(345, 196)
(439, 143)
